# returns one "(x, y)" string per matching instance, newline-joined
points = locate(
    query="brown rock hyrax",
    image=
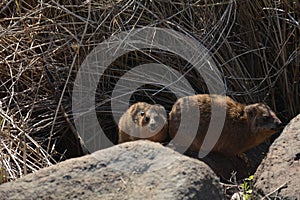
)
(143, 121)
(245, 126)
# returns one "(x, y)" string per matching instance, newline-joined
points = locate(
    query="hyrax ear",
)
(160, 107)
(250, 110)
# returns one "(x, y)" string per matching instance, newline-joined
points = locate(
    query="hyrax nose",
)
(152, 125)
(278, 123)
(152, 122)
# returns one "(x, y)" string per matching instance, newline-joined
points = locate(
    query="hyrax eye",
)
(250, 113)
(265, 118)
(142, 113)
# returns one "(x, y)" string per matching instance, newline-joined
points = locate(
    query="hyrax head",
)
(262, 120)
(152, 118)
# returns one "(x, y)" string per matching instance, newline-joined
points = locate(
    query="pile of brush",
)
(43, 44)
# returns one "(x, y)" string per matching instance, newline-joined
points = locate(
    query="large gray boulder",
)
(133, 170)
(279, 173)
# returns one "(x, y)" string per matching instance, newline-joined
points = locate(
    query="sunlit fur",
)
(245, 126)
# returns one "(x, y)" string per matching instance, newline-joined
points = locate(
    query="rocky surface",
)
(279, 173)
(133, 170)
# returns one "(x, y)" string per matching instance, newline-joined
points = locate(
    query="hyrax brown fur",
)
(245, 126)
(143, 121)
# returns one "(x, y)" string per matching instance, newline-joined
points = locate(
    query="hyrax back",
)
(245, 126)
(143, 121)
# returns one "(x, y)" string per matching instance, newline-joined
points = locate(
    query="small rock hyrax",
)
(143, 121)
(245, 126)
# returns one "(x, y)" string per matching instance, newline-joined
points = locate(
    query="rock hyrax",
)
(143, 121)
(245, 126)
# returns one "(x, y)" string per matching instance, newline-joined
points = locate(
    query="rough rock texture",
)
(279, 173)
(133, 170)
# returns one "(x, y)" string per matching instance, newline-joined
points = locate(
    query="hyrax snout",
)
(245, 126)
(143, 121)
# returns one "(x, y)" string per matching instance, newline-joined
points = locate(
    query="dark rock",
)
(279, 173)
(133, 170)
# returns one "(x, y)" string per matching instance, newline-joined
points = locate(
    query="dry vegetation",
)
(43, 43)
